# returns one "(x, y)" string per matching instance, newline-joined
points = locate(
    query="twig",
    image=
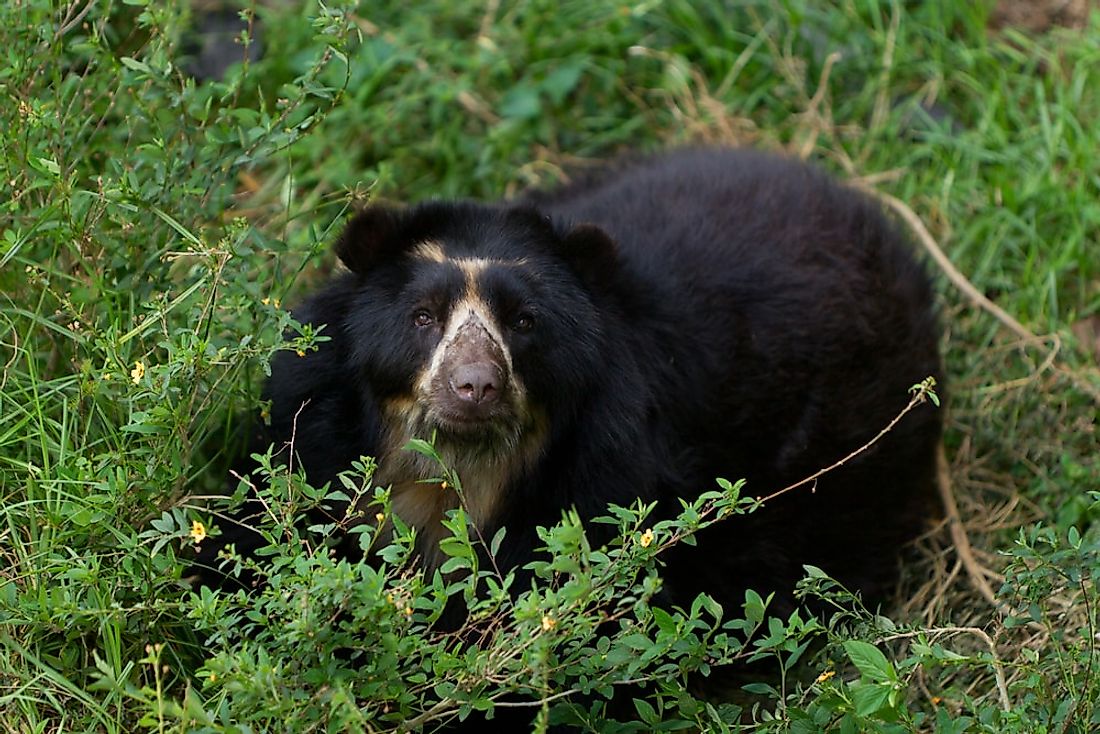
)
(920, 397)
(998, 667)
(979, 299)
(563, 694)
(959, 538)
(417, 721)
(71, 21)
(816, 120)
(953, 274)
(486, 28)
(882, 99)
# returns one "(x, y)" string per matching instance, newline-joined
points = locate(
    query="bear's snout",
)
(477, 382)
(471, 384)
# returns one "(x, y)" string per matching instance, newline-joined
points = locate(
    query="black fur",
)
(698, 314)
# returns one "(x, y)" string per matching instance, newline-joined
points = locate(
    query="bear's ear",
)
(589, 251)
(372, 235)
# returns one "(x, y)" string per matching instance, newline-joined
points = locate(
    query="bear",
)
(634, 334)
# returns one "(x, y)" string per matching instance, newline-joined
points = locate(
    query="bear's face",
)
(474, 324)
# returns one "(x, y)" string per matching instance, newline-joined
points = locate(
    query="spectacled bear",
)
(698, 314)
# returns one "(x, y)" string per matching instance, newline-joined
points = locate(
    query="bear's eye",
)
(423, 318)
(523, 323)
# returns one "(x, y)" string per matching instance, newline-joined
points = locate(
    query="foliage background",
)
(155, 227)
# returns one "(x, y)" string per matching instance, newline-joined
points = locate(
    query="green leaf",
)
(754, 606)
(49, 165)
(174, 224)
(424, 448)
(498, 538)
(870, 661)
(561, 81)
(521, 102)
(664, 620)
(870, 699)
(646, 712)
(136, 65)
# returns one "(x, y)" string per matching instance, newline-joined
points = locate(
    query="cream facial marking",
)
(486, 477)
(429, 250)
(432, 251)
(469, 312)
(485, 480)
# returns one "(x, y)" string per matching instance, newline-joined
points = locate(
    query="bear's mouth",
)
(500, 429)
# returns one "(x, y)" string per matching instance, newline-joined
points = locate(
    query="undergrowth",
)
(156, 228)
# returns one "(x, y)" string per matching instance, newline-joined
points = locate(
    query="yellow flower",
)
(265, 301)
(198, 532)
(548, 623)
(137, 372)
(443, 484)
(825, 676)
(408, 611)
(646, 538)
(379, 517)
(300, 352)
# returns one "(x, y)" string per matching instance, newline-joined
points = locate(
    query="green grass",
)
(148, 219)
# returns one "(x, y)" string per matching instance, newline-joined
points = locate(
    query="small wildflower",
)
(548, 623)
(443, 484)
(389, 598)
(137, 372)
(300, 352)
(936, 700)
(277, 303)
(198, 532)
(408, 611)
(213, 677)
(825, 676)
(647, 538)
(265, 301)
(107, 377)
(380, 517)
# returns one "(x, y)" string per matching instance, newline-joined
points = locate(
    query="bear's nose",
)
(476, 382)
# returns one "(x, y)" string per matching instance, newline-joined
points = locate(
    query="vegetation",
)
(155, 227)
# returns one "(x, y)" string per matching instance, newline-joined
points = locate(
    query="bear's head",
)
(478, 325)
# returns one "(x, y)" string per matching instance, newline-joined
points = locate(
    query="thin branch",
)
(953, 274)
(917, 399)
(959, 538)
(72, 21)
(979, 299)
(995, 662)
(563, 694)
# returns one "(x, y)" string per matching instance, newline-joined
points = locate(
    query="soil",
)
(1041, 15)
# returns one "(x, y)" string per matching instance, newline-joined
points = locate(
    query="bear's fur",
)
(699, 314)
